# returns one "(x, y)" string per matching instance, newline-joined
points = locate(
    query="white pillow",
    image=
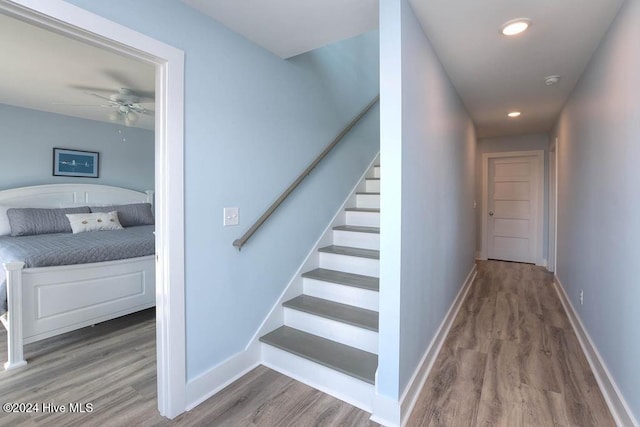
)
(98, 221)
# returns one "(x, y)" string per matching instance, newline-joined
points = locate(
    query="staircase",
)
(330, 335)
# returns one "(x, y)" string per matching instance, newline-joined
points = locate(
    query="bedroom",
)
(60, 93)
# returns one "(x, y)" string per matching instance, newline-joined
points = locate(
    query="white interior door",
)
(512, 205)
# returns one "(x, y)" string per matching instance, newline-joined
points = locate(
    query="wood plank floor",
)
(112, 365)
(511, 359)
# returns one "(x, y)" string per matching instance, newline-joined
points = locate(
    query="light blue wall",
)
(433, 225)
(529, 142)
(598, 200)
(29, 136)
(253, 122)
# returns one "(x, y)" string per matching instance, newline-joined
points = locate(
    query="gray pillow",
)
(130, 215)
(31, 221)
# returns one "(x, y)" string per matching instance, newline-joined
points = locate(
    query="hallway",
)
(511, 359)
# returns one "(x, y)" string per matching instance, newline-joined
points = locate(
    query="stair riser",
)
(348, 389)
(350, 264)
(333, 330)
(368, 201)
(365, 219)
(372, 185)
(356, 240)
(350, 295)
(376, 171)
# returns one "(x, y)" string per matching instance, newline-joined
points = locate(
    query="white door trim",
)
(77, 23)
(539, 155)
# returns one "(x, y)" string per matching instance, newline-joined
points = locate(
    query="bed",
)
(49, 300)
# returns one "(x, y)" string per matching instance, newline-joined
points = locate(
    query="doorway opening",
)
(168, 62)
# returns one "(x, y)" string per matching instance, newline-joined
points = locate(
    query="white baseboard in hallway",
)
(612, 395)
(385, 412)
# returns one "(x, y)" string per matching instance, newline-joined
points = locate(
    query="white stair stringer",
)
(324, 331)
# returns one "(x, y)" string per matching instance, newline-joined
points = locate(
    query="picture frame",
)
(76, 163)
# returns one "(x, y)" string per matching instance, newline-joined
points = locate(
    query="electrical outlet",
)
(231, 216)
(581, 297)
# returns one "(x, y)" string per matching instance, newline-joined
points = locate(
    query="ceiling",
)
(495, 74)
(48, 71)
(291, 27)
(492, 73)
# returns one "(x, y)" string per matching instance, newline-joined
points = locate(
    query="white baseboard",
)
(412, 391)
(215, 379)
(386, 411)
(390, 413)
(615, 400)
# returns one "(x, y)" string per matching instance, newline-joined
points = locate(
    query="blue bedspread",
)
(46, 250)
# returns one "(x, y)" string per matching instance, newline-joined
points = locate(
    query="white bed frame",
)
(48, 301)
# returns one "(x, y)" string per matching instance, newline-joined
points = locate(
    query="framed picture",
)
(75, 163)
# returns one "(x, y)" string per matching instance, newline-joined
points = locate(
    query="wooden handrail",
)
(239, 243)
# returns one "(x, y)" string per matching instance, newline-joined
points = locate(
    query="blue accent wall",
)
(253, 122)
(29, 136)
(598, 205)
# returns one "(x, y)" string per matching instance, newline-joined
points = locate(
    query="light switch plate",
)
(231, 216)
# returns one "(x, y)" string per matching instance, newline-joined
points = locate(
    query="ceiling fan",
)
(126, 106)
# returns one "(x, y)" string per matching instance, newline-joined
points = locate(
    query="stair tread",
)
(350, 279)
(355, 316)
(343, 358)
(358, 229)
(373, 210)
(366, 193)
(349, 251)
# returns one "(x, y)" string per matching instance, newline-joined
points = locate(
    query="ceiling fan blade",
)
(91, 88)
(124, 82)
(81, 105)
(111, 101)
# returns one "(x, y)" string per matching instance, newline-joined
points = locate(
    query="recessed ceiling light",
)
(516, 26)
(514, 114)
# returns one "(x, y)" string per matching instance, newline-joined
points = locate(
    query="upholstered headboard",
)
(66, 195)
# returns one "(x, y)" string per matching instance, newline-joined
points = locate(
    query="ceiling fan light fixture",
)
(515, 26)
(130, 118)
(551, 80)
(514, 114)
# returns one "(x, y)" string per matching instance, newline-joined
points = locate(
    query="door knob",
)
(490, 213)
